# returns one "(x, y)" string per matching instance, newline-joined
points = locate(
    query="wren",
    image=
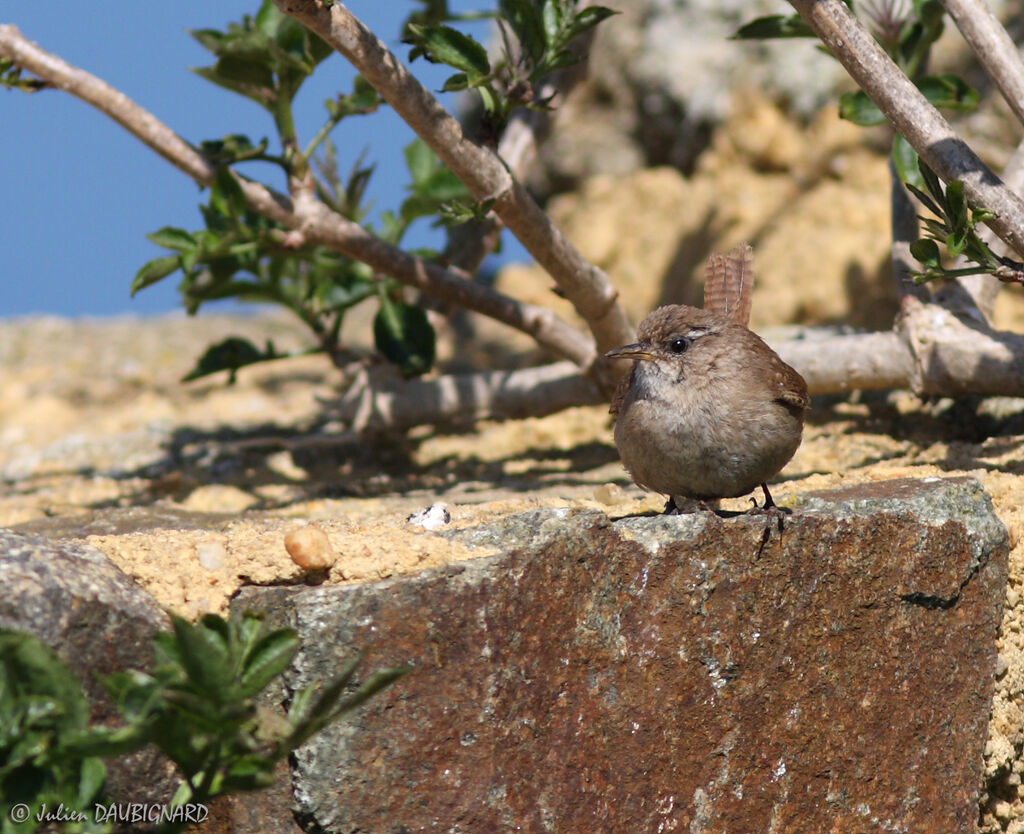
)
(708, 410)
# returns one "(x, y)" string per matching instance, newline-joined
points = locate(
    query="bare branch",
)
(113, 103)
(933, 353)
(460, 399)
(955, 356)
(587, 287)
(993, 47)
(471, 242)
(315, 222)
(321, 225)
(840, 364)
(999, 56)
(913, 116)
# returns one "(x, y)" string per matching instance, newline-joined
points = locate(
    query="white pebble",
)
(434, 516)
(211, 555)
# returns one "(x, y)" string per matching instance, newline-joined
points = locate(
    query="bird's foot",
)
(689, 505)
(773, 513)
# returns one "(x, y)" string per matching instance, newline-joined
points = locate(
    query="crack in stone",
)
(934, 602)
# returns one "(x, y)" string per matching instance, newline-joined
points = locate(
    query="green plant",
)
(536, 39)
(43, 714)
(197, 706)
(907, 32)
(954, 225)
(243, 255)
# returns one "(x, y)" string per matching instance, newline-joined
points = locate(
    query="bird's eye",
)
(679, 345)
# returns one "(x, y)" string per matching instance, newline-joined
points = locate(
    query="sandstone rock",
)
(815, 204)
(670, 673)
(661, 75)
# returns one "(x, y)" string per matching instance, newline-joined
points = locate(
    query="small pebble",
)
(609, 494)
(310, 548)
(1001, 666)
(434, 516)
(211, 555)
(1012, 597)
(1003, 810)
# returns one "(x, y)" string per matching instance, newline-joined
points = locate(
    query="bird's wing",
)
(620, 392)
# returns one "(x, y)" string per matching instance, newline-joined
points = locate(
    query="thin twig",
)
(998, 54)
(587, 287)
(905, 230)
(984, 288)
(913, 116)
(993, 47)
(314, 222)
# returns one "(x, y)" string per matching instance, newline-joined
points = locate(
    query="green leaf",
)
(240, 71)
(34, 668)
(247, 773)
(232, 148)
(456, 212)
(269, 657)
(523, 17)
(171, 237)
(906, 161)
(93, 775)
(363, 99)
(421, 161)
(226, 194)
(209, 39)
(956, 207)
(10, 77)
(108, 742)
(932, 182)
(204, 656)
(432, 182)
(553, 20)
(257, 94)
(956, 242)
(948, 92)
(153, 271)
(856, 107)
(455, 83)
(927, 253)
(230, 355)
(404, 335)
(311, 711)
(921, 30)
(774, 26)
(454, 48)
(590, 17)
(925, 200)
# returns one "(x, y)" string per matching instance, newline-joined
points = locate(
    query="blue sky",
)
(79, 194)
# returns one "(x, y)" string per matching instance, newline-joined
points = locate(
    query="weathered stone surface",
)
(99, 621)
(671, 673)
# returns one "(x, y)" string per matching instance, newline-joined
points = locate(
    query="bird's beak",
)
(637, 351)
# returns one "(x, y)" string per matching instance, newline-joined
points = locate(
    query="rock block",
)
(99, 621)
(670, 673)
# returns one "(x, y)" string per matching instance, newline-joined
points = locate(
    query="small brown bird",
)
(709, 410)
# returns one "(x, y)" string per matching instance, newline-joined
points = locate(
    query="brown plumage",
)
(708, 410)
(729, 284)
